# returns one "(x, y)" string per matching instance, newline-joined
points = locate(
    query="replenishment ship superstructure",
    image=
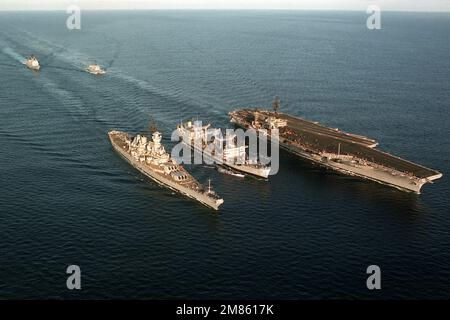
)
(231, 155)
(150, 158)
(33, 63)
(341, 151)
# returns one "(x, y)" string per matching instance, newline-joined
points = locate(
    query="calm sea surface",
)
(67, 198)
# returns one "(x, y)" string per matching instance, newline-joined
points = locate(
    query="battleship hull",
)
(162, 180)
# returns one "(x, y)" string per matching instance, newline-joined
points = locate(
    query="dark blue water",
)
(67, 198)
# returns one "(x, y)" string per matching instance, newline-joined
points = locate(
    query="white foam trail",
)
(10, 52)
(169, 93)
(60, 52)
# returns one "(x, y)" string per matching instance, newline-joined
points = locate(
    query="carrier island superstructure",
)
(341, 151)
(230, 155)
(150, 158)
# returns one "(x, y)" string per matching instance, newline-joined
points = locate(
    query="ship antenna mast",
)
(152, 126)
(276, 104)
(209, 185)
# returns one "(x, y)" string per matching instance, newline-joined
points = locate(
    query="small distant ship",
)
(33, 63)
(231, 153)
(150, 158)
(344, 152)
(95, 69)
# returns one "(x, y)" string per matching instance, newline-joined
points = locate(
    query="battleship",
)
(343, 152)
(232, 156)
(32, 63)
(95, 69)
(150, 158)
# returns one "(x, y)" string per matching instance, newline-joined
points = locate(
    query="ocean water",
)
(67, 198)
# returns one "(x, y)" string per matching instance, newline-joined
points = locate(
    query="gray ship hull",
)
(401, 182)
(34, 68)
(160, 179)
(256, 172)
(377, 173)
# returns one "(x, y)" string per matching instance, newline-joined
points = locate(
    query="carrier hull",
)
(309, 140)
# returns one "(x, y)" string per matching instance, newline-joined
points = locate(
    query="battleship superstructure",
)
(150, 158)
(232, 156)
(341, 151)
(32, 63)
(95, 69)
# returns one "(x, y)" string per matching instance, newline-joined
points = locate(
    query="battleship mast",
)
(276, 104)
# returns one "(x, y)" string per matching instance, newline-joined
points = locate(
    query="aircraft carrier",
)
(150, 158)
(338, 150)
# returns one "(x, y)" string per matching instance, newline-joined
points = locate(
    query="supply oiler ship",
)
(231, 155)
